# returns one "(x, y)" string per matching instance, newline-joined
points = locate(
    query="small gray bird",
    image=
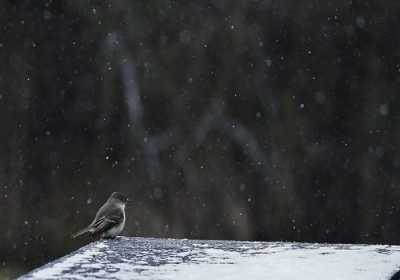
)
(109, 220)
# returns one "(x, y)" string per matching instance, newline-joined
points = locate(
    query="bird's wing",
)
(104, 223)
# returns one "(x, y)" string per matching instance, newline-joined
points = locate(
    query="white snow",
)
(60, 267)
(245, 260)
(281, 264)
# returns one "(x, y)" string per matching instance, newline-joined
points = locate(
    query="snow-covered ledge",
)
(151, 258)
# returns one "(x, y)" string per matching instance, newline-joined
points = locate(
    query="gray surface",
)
(150, 258)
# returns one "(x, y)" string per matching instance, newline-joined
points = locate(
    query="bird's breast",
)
(117, 229)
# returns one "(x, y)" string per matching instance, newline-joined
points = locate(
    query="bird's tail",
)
(82, 231)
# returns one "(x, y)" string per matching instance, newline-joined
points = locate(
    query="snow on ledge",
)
(151, 258)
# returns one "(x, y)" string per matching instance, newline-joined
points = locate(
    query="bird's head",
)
(119, 197)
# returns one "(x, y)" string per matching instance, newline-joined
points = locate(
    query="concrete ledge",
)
(151, 258)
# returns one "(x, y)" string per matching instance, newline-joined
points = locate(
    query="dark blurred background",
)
(250, 120)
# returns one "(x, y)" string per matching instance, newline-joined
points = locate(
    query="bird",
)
(110, 218)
